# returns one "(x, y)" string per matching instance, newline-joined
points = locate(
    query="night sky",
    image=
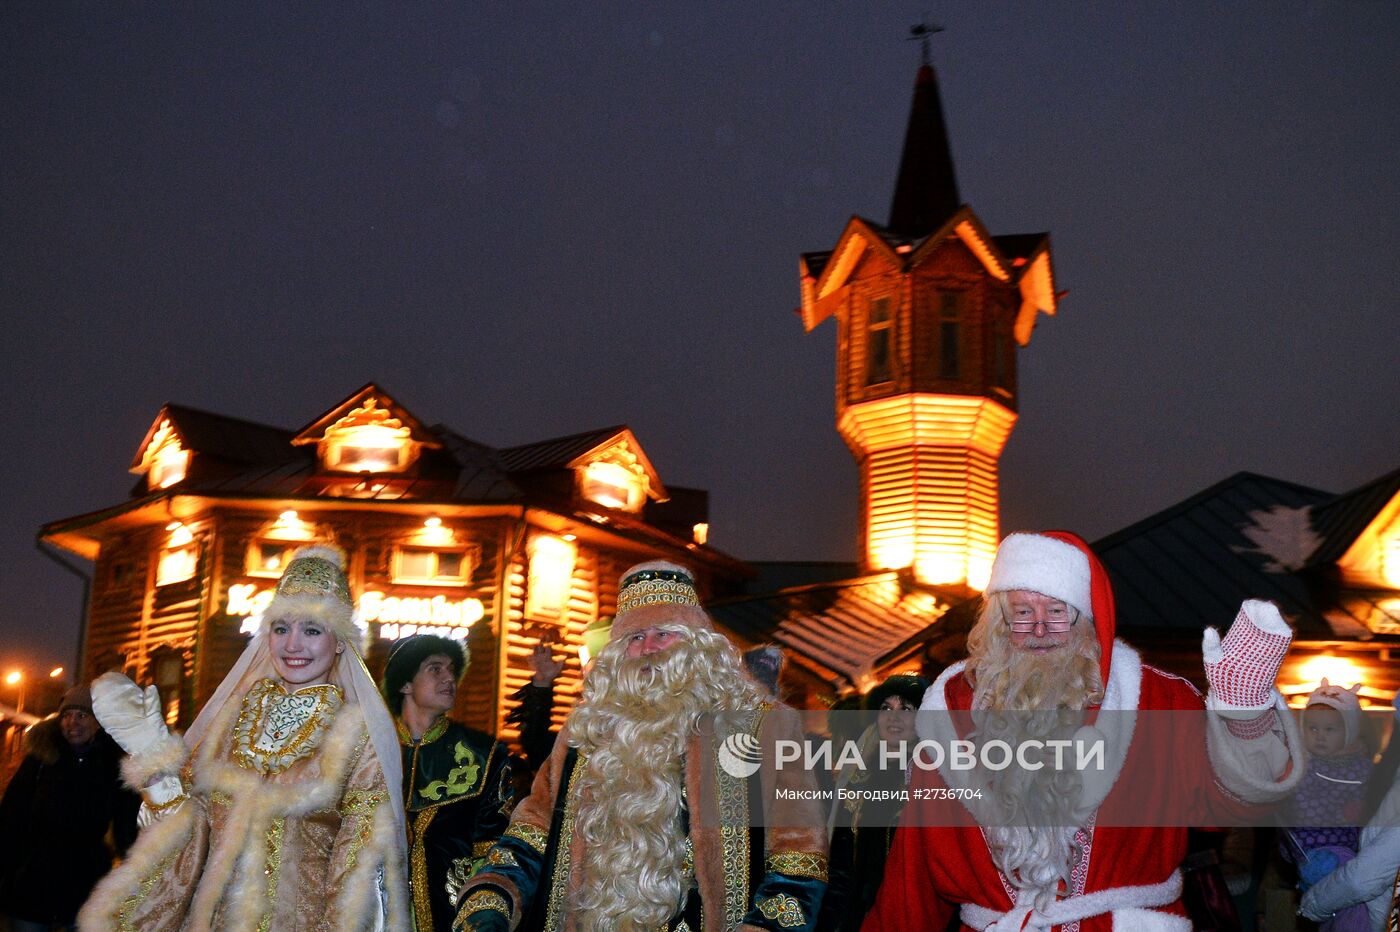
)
(527, 222)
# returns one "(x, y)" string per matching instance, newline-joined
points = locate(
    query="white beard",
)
(1033, 841)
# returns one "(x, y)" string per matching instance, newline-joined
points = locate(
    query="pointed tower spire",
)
(926, 193)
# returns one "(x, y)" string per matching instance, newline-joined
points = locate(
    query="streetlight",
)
(55, 673)
(16, 678)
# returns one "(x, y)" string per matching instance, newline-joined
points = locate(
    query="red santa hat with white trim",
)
(1061, 565)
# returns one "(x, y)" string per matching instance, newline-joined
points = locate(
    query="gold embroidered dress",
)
(289, 816)
(274, 830)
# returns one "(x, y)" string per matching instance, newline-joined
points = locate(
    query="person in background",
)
(865, 823)
(1330, 797)
(532, 714)
(64, 802)
(457, 787)
(1372, 878)
(765, 665)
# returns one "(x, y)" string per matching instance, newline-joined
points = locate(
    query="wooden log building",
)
(500, 548)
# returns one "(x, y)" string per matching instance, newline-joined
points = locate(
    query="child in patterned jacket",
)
(1332, 791)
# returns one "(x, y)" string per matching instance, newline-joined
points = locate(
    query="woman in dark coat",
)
(864, 823)
(64, 816)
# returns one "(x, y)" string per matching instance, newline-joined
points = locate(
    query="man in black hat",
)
(457, 788)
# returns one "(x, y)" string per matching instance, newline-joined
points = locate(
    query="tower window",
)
(949, 334)
(879, 336)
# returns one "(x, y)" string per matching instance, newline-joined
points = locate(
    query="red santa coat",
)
(938, 863)
(934, 868)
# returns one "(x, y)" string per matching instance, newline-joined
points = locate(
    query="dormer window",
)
(164, 460)
(1391, 559)
(368, 440)
(613, 485)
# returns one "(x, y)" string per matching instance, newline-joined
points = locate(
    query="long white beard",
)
(1033, 841)
(634, 724)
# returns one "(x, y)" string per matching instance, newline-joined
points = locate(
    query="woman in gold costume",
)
(281, 808)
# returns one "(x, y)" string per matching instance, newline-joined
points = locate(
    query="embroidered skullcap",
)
(657, 593)
(314, 585)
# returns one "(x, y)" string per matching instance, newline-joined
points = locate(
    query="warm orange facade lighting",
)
(1338, 671)
(930, 477)
(13, 678)
(1390, 559)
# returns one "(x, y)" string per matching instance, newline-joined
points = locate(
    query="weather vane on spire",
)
(923, 31)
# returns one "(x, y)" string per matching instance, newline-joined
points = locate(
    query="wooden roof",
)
(238, 459)
(1192, 564)
(228, 438)
(843, 632)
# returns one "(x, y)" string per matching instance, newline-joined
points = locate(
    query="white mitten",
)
(1242, 669)
(130, 715)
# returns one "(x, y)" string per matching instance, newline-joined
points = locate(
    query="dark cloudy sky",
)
(526, 220)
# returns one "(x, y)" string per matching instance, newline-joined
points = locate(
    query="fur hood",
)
(45, 742)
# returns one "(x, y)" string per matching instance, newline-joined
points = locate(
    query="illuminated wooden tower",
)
(930, 309)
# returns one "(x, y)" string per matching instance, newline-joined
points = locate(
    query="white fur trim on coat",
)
(1045, 565)
(1130, 908)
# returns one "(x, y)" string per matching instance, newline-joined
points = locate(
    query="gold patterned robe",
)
(749, 871)
(286, 827)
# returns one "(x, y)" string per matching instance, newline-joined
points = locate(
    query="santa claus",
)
(1033, 848)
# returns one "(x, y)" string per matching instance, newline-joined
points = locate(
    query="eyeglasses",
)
(1059, 626)
(1060, 620)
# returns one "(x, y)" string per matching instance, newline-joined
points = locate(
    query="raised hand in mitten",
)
(1242, 669)
(132, 716)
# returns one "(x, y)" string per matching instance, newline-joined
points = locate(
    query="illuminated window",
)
(551, 576)
(179, 558)
(168, 467)
(879, 336)
(949, 334)
(269, 557)
(613, 486)
(429, 565)
(1390, 559)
